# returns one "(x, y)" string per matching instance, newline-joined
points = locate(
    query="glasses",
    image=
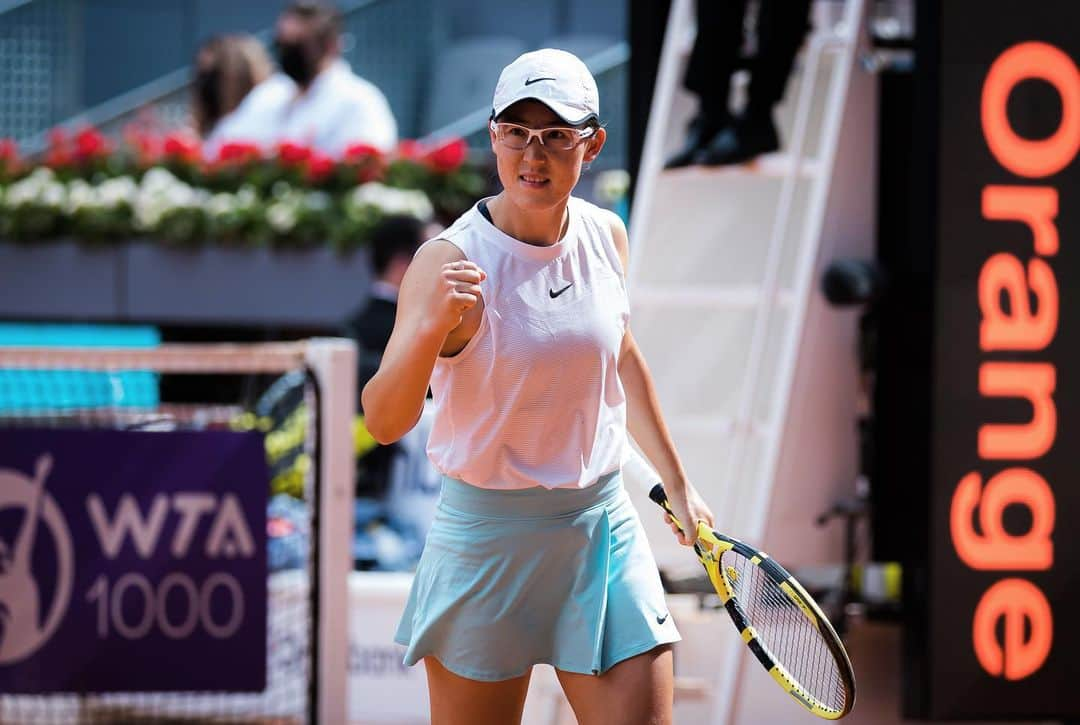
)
(517, 137)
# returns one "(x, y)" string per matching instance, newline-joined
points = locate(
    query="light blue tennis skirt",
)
(509, 579)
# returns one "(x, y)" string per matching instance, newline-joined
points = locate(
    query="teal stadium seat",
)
(70, 389)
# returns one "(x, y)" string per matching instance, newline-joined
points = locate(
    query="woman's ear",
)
(594, 144)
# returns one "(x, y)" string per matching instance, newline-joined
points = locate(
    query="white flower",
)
(181, 195)
(80, 195)
(390, 200)
(284, 211)
(161, 193)
(118, 191)
(247, 197)
(53, 194)
(33, 188)
(110, 194)
(221, 204)
(281, 216)
(148, 212)
(158, 178)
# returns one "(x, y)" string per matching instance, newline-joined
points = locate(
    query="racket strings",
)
(792, 639)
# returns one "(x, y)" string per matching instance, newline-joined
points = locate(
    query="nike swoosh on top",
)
(661, 620)
(555, 294)
(530, 81)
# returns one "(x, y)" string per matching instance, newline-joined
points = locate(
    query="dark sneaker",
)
(698, 135)
(740, 142)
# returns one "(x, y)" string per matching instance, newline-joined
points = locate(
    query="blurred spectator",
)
(717, 136)
(393, 244)
(396, 485)
(315, 100)
(227, 68)
(288, 530)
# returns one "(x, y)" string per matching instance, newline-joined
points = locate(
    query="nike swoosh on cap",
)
(530, 81)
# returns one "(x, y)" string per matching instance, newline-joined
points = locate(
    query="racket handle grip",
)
(659, 495)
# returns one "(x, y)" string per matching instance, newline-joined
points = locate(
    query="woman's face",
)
(538, 177)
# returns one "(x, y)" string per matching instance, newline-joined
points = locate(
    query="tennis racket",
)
(778, 620)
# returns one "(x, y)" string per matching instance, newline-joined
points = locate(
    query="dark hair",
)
(396, 235)
(324, 17)
(226, 67)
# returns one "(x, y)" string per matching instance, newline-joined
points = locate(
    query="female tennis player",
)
(517, 317)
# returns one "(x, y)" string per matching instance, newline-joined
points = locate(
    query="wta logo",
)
(27, 622)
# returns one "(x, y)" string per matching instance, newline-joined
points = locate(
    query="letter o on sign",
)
(1023, 157)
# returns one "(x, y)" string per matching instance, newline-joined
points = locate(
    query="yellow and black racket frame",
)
(710, 545)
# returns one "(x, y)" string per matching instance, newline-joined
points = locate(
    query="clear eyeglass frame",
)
(553, 138)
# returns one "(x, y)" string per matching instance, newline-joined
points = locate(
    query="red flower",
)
(293, 154)
(319, 167)
(145, 144)
(361, 151)
(412, 150)
(9, 157)
(449, 156)
(59, 153)
(9, 151)
(368, 161)
(182, 147)
(239, 151)
(91, 144)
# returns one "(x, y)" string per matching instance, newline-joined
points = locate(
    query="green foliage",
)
(163, 190)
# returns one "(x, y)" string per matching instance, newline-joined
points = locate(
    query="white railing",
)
(747, 473)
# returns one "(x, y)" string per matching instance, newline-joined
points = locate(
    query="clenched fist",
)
(458, 292)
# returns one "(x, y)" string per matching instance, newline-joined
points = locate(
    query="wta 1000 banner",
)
(1005, 559)
(132, 561)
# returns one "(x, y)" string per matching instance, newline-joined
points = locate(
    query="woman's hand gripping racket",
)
(778, 620)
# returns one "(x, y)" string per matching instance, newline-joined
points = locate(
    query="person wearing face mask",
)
(517, 317)
(315, 99)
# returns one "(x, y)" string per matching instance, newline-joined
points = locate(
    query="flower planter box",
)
(60, 280)
(144, 281)
(315, 287)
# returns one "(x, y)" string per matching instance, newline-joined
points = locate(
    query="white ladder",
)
(719, 324)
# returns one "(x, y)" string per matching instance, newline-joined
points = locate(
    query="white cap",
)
(556, 78)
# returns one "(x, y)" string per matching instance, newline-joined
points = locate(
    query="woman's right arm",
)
(439, 288)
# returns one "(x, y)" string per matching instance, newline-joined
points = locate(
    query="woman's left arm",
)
(645, 420)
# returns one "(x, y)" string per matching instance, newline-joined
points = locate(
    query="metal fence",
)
(391, 43)
(388, 42)
(39, 64)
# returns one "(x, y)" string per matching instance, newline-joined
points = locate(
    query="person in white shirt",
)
(517, 318)
(315, 100)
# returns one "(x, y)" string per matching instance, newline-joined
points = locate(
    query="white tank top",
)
(535, 398)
